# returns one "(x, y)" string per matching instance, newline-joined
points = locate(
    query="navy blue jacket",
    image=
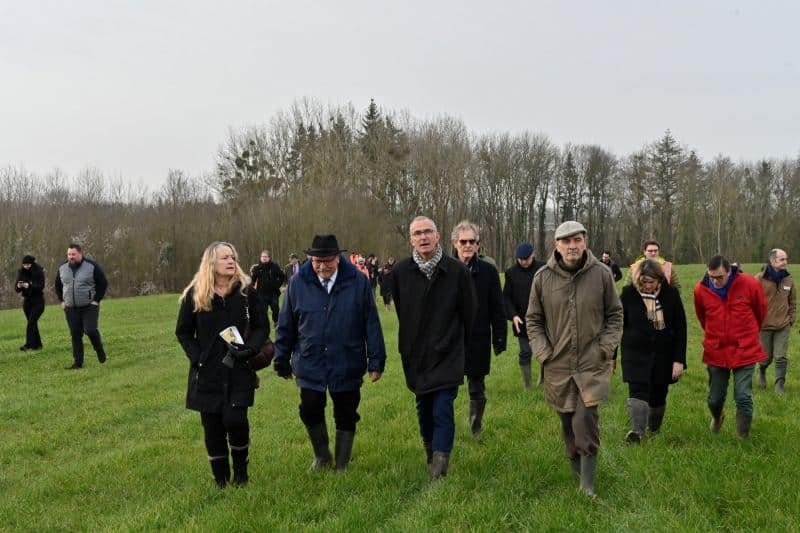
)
(330, 337)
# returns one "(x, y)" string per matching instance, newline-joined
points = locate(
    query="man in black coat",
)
(268, 278)
(516, 294)
(436, 305)
(606, 260)
(489, 329)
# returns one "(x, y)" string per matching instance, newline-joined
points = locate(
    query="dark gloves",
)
(240, 352)
(283, 367)
(499, 346)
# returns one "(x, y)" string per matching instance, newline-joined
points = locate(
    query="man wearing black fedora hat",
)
(328, 336)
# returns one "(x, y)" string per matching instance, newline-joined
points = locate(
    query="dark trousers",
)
(84, 320)
(476, 385)
(271, 302)
(345, 408)
(437, 424)
(654, 394)
(228, 427)
(525, 352)
(581, 430)
(33, 309)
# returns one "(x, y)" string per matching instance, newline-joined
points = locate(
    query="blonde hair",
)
(203, 280)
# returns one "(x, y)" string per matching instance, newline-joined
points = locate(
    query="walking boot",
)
(743, 423)
(575, 464)
(240, 461)
(780, 376)
(428, 456)
(527, 382)
(717, 418)
(656, 418)
(221, 470)
(344, 448)
(762, 377)
(588, 465)
(638, 411)
(318, 435)
(476, 408)
(439, 465)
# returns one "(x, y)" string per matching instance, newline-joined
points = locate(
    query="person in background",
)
(219, 296)
(291, 269)
(328, 336)
(361, 266)
(653, 346)
(372, 267)
(436, 305)
(516, 294)
(80, 286)
(30, 284)
(606, 260)
(489, 328)
(385, 278)
(781, 297)
(651, 250)
(267, 279)
(731, 308)
(574, 323)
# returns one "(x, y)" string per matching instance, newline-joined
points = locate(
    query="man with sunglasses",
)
(731, 308)
(436, 305)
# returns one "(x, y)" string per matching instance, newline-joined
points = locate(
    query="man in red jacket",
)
(731, 307)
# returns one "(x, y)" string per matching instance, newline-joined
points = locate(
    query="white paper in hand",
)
(231, 335)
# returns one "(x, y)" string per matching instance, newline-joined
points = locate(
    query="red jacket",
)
(731, 326)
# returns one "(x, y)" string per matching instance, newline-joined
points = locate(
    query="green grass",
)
(111, 447)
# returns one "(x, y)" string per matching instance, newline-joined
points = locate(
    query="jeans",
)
(84, 320)
(345, 408)
(33, 309)
(436, 418)
(742, 388)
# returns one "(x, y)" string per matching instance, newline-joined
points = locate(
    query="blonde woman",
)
(222, 389)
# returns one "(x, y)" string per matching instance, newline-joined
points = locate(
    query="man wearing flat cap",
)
(516, 293)
(328, 336)
(574, 322)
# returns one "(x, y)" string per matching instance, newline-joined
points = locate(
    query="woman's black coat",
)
(212, 384)
(490, 326)
(648, 354)
(34, 276)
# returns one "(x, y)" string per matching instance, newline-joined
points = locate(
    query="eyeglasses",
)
(464, 242)
(420, 232)
(324, 261)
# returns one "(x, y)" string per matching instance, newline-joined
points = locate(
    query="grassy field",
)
(111, 447)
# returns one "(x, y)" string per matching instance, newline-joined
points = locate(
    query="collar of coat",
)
(552, 264)
(346, 270)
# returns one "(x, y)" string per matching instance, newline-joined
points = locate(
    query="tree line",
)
(365, 174)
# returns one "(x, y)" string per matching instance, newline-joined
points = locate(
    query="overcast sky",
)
(136, 88)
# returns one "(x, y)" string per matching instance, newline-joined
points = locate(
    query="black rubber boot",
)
(240, 461)
(527, 381)
(717, 418)
(743, 423)
(780, 376)
(588, 465)
(762, 377)
(575, 464)
(476, 408)
(638, 411)
(656, 418)
(344, 448)
(221, 470)
(319, 441)
(428, 455)
(440, 464)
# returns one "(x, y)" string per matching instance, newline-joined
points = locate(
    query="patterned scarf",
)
(655, 313)
(428, 266)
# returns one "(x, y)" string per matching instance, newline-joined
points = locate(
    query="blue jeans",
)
(742, 388)
(436, 418)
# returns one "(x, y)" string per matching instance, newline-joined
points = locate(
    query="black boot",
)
(344, 448)
(762, 377)
(440, 464)
(428, 455)
(780, 376)
(319, 440)
(743, 423)
(656, 418)
(240, 461)
(221, 470)
(476, 408)
(588, 465)
(717, 418)
(575, 464)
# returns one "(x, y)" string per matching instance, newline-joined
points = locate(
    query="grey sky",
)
(137, 88)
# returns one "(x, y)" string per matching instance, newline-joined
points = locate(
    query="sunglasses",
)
(464, 242)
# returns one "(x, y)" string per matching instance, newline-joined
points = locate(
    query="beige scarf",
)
(655, 313)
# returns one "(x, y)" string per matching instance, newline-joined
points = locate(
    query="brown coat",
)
(574, 322)
(781, 302)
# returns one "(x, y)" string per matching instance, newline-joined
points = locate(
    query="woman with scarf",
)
(221, 384)
(30, 283)
(653, 346)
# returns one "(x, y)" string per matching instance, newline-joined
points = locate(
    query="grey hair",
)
(773, 253)
(466, 225)
(421, 218)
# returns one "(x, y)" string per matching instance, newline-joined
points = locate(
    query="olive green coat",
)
(574, 322)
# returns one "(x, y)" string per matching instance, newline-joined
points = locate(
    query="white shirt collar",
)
(333, 280)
